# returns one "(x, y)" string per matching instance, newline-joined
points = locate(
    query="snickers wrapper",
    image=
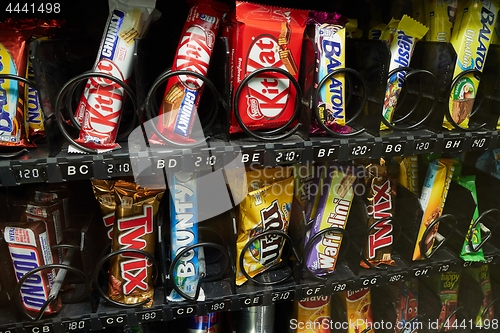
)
(29, 248)
(432, 199)
(333, 211)
(101, 104)
(130, 274)
(184, 233)
(105, 195)
(313, 312)
(264, 209)
(380, 197)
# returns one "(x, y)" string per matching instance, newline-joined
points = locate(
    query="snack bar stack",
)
(471, 37)
(262, 37)
(179, 108)
(100, 107)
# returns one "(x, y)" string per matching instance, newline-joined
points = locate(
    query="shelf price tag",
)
(170, 164)
(395, 277)
(393, 148)
(341, 286)
(205, 160)
(326, 153)
(370, 281)
(254, 300)
(282, 296)
(77, 170)
(453, 144)
(118, 167)
(184, 311)
(221, 305)
(249, 157)
(424, 146)
(288, 156)
(41, 328)
(480, 143)
(422, 271)
(113, 320)
(76, 325)
(313, 291)
(149, 316)
(359, 150)
(30, 173)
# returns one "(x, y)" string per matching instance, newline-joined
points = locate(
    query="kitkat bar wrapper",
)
(264, 209)
(380, 200)
(178, 110)
(104, 192)
(332, 211)
(266, 36)
(314, 313)
(408, 173)
(131, 274)
(359, 310)
(432, 199)
(473, 30)
(100, 107)
(184, 233)
(482, 275)
(474, 234)
(448, 285)
(401, 36)
(440, 17)
(14, 38)
(29, 248)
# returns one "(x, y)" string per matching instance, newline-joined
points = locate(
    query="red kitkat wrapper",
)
(178, 110)
(265, 36)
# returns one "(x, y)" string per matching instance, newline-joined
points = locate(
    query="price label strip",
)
(30, 173)
(288, 156)
(118, 167)
(361, 150)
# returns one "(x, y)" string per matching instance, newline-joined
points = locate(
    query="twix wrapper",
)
(264, 209)
(433, 197)
(471, 38)
(178, 110)
(401, 36)
(380, 203)
(266, 36)
(105, 194)
(333, 211)
(101, 103)
(130, 274)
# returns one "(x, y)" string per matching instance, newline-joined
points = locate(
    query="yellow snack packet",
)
(268, 208)
(408, 173)
(441, 16)
(418, 11)
(433, 197)
(359, 310)
(401, 37)
(471, 38)
(314, 313)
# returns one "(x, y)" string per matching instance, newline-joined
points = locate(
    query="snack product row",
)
(277, 56)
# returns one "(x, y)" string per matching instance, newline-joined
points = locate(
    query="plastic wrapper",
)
(29, 248)
(448, 293)
(265, 209)
(471, 38)
(401, 36)
(183, 233)
(265, 36)
(408, 173)
(131, 274)
(101, 104)
(210, 322)
(333, 209)
(407, 309)
(474, 234)
(105, 194)
(432, 198)
(440, 17)
(380, 200)
(359, 310)
(482, 275)
(178, 110)
(313, 314)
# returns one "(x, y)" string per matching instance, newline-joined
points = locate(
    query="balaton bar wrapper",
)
(264, 209)
(332, 211)
(433, 197)
(265, 36)
(131, 274)
(471, 38)
(401, 36)
(101, 104)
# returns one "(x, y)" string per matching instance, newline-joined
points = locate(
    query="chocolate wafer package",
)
(333, 209)
(265, 36)
(130, 274)
(100, 108)
(105, 194)
(179, 107)
(29, 248)
(471, 38)
(264, 209)
(380, 201)
(432, 198)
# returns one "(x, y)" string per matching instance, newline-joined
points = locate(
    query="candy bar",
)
(448, 285)
(313, 312)
(408, 173)
(131, 274)
(440, 18)
(105, 195)
(359, 310)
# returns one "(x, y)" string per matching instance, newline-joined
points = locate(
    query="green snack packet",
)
(482, 276)
(474, 234)
(448, 293)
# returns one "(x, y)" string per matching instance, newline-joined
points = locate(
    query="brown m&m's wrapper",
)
(130, 274)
